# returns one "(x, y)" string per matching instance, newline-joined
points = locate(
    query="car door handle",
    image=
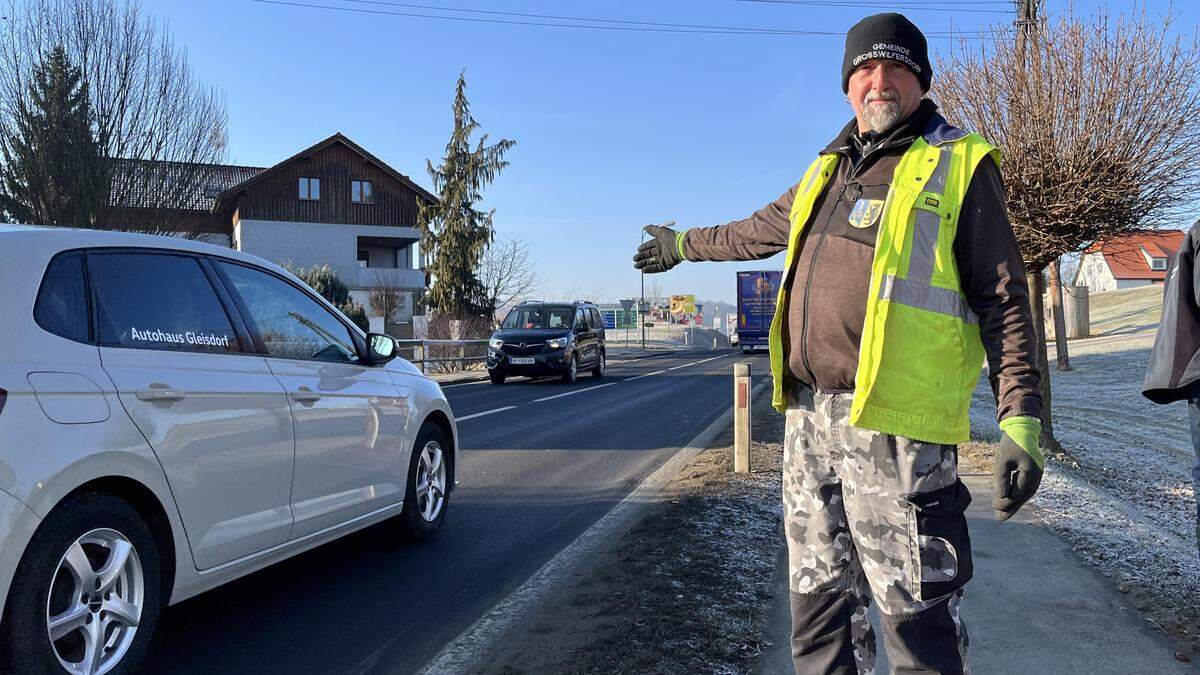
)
(305, 395)
(159, 392)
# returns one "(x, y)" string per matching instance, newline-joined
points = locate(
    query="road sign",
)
(627, 305)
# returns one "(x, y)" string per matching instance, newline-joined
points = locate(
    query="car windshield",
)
(539, 317)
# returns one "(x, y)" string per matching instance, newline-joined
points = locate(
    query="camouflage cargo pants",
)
(872, 516)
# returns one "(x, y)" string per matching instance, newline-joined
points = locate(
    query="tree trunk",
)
(1036, 288)
(1060, 319)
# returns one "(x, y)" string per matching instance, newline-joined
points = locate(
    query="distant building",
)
(331, 204)
(1140, 259)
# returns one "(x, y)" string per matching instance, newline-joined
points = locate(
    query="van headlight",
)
(557, 343)
(495, 343)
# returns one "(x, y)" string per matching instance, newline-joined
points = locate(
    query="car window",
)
(580, 320)
(61, 306)
(597, 320)
(538, 317)
(291, 323)
(157, 301)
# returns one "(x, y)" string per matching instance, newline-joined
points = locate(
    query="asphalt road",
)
(532, 478)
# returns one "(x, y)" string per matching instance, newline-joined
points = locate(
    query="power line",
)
(584, 23)
(541, 24)
(937, 5)
(568, 18)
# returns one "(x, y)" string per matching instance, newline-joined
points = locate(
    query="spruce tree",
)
(454, 232)
(51, 171)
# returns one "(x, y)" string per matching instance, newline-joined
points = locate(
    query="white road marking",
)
(481, 414)
(638, 377)
(575, 391)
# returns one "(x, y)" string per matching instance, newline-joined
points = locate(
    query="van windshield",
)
(539, 317)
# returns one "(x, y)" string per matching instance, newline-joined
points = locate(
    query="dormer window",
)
(310, 189)
(1158, 264)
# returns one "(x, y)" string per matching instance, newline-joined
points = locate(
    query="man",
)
(901, 272)
(1173, 373)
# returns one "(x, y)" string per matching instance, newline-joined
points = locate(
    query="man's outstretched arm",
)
(993, 279)
(762, 235)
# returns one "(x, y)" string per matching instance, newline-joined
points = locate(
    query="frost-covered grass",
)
(1121, 492)
(1125, 312)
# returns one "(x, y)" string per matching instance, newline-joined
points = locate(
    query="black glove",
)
(1016, 476)
(661, 253)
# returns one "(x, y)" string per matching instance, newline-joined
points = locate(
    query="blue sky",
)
(614, 129)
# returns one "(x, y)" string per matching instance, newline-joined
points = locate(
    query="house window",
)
(310, 189)
(1158, 263)
(364, 258)
(360, 191)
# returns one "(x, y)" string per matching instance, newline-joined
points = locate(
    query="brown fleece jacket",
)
(829, 279)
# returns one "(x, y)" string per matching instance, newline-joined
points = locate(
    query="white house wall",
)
(1095, 274)
(313, 244)
(1122, 284)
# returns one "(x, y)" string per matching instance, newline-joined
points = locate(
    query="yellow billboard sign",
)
(683, 304)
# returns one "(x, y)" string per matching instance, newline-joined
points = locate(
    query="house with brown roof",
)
(330, 204)
(1139, 259)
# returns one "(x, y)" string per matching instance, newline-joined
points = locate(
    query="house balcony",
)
(392, 277)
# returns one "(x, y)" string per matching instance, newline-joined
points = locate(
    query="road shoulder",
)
(682, 590)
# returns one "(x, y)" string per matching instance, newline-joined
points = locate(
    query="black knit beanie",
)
(887, 36)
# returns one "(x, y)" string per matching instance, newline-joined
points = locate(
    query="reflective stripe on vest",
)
(920, 354)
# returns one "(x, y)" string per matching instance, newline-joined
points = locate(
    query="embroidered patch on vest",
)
(866, 213)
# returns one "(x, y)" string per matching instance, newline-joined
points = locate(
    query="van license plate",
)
(521, 361)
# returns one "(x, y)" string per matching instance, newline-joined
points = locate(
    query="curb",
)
(466, 652)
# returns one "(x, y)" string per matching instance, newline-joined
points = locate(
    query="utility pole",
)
(642, 303)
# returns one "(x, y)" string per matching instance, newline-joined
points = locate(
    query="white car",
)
(175, 415)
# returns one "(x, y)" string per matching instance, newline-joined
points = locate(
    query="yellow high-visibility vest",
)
(920, 355)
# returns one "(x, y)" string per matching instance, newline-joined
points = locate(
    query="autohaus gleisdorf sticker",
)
(188, 338)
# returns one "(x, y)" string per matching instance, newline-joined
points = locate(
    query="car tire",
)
(90, 528)
(598, 371)
(572, 374)
(419, 520)
(496, 378)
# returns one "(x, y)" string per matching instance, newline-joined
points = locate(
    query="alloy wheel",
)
(95, 602)
(431, 481)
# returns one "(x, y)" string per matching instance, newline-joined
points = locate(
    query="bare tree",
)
(1098, 119)
(160, 130)
(386, 299)
(508, 273)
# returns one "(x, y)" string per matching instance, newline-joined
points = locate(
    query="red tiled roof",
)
(1126, 260)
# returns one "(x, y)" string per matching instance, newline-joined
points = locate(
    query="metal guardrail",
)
(423, 345)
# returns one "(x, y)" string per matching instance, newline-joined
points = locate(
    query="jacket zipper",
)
(812, 264)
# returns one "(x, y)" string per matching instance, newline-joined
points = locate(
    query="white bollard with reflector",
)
(741, 418)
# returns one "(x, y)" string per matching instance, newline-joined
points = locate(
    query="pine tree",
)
(51, 171)
(454, 233)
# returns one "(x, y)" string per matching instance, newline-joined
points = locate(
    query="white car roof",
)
(50, 240)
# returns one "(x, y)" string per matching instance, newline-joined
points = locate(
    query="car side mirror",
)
(380, 349)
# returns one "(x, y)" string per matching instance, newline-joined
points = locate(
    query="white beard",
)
(879, 117)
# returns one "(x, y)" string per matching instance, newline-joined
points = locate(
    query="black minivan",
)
(547, 338)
